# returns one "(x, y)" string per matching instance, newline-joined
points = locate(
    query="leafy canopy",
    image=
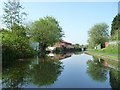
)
(115, 29)
(12, 13)
(46, 31)
(98, 34)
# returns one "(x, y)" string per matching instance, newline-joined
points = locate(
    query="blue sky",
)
(74, 18)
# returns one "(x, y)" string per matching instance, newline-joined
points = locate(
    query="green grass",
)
(111, 52)
(102, 55)
(111, 49)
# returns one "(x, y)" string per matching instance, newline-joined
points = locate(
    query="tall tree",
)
(12, 13)
(98, 34)
(15, 44)
(115, 24)
(115, 29)
(46, 31)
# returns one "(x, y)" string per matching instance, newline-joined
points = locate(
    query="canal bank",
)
(114, 57)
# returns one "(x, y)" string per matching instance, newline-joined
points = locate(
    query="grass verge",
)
(103, 55)
(110, 52)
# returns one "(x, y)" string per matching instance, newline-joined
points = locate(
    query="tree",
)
(19, 30)
(115, 36)
(77, 46)
(98, 34)
(15, 44)
(12, 14)
(46, 31)
(115, 29)
(115, 24)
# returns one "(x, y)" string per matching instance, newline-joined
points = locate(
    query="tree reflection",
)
(114, 79)
(14, 75)
(40, 72)
(96, 69)
(46, 71)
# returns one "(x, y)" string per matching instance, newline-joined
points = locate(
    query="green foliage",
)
(115, 25)
(115, 29)
(0, 38)
(15, 46)
(98, 34)
(46, 31)
(115, 36)
(12, 13)
(19, 30)
(77, 47)
(15, 43)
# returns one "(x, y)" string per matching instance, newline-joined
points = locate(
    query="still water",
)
(69, 70)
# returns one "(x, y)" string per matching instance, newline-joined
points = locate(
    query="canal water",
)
(70, 70)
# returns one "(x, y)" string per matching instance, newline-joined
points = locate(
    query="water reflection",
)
(97, 69)
(60, 56)
(14, 74)
(40, 72)
(46, 72)
(63, 55)
(114, 79)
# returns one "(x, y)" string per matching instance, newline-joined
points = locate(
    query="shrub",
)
(15, 46)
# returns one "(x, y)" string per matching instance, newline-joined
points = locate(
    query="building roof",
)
(66, 42)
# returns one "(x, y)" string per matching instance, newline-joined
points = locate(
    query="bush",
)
(15, 46)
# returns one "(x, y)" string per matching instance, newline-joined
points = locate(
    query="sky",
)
(75, 18)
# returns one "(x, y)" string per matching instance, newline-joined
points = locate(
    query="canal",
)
(70, 70)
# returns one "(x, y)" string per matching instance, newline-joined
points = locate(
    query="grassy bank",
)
(111, 52)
